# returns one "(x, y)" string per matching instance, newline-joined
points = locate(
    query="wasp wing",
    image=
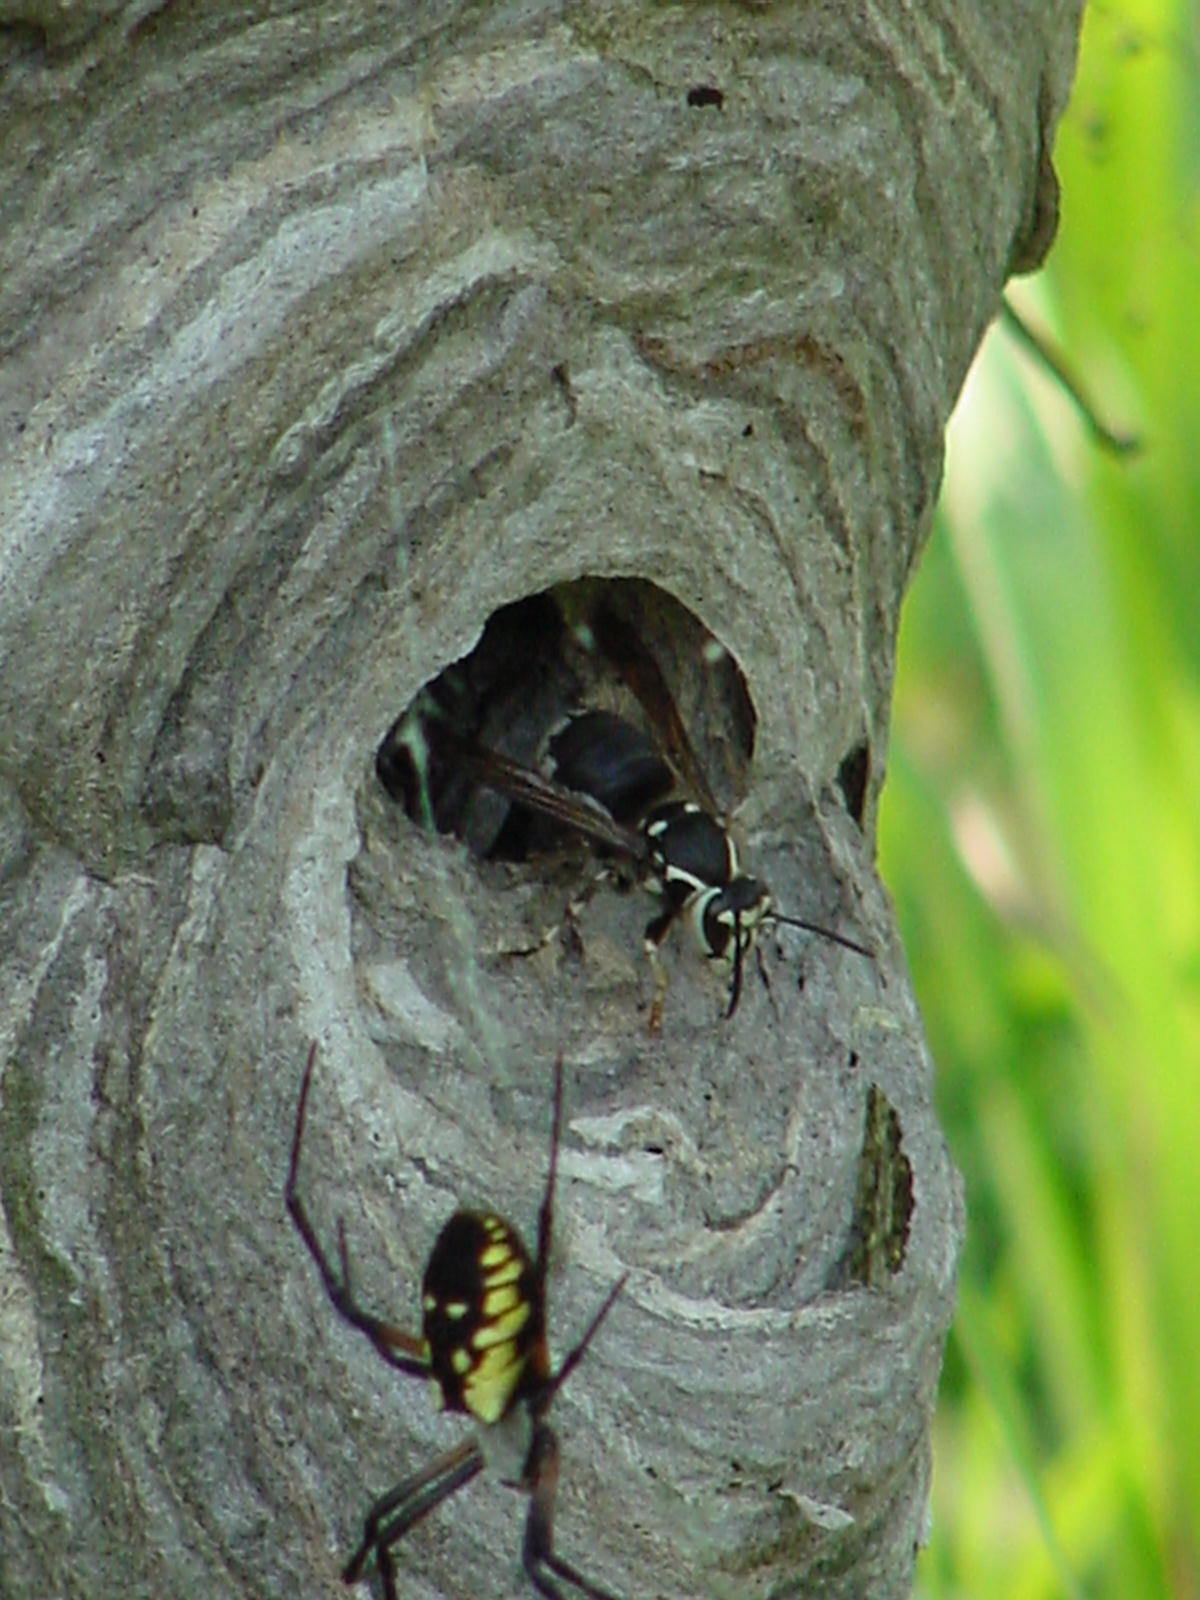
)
(526, 787)
(634, 662)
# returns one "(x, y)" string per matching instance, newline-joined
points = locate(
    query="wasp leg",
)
(401, 1508)
(565, 930)
(656, 931)
(399, 1349)
(538, 1549)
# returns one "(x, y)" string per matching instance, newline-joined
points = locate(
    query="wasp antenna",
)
(826, 933)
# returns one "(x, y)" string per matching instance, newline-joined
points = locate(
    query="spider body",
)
(483, 1351)
(482, 1318)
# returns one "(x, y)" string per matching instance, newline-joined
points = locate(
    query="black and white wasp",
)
(483, 1351)
(643, 798)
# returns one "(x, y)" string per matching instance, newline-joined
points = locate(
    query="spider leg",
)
(402, 1507)
(575, 1356)
(399, 1349)
(537, 1550)
(545, 1233)
(546, 1209)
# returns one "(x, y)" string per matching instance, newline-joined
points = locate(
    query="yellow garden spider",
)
(483, 1351)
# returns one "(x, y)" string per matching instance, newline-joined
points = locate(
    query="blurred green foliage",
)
(1041, 836)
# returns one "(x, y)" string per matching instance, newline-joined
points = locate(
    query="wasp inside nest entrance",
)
(565, 721)
(610, 689)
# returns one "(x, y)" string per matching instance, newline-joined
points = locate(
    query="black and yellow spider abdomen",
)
(482, 1320)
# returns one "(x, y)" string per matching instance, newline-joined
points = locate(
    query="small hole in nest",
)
(853, 776)
(705, 94)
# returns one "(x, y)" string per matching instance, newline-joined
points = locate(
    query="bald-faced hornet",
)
(608, 781)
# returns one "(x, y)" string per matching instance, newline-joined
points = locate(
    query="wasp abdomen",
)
(602, 755)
